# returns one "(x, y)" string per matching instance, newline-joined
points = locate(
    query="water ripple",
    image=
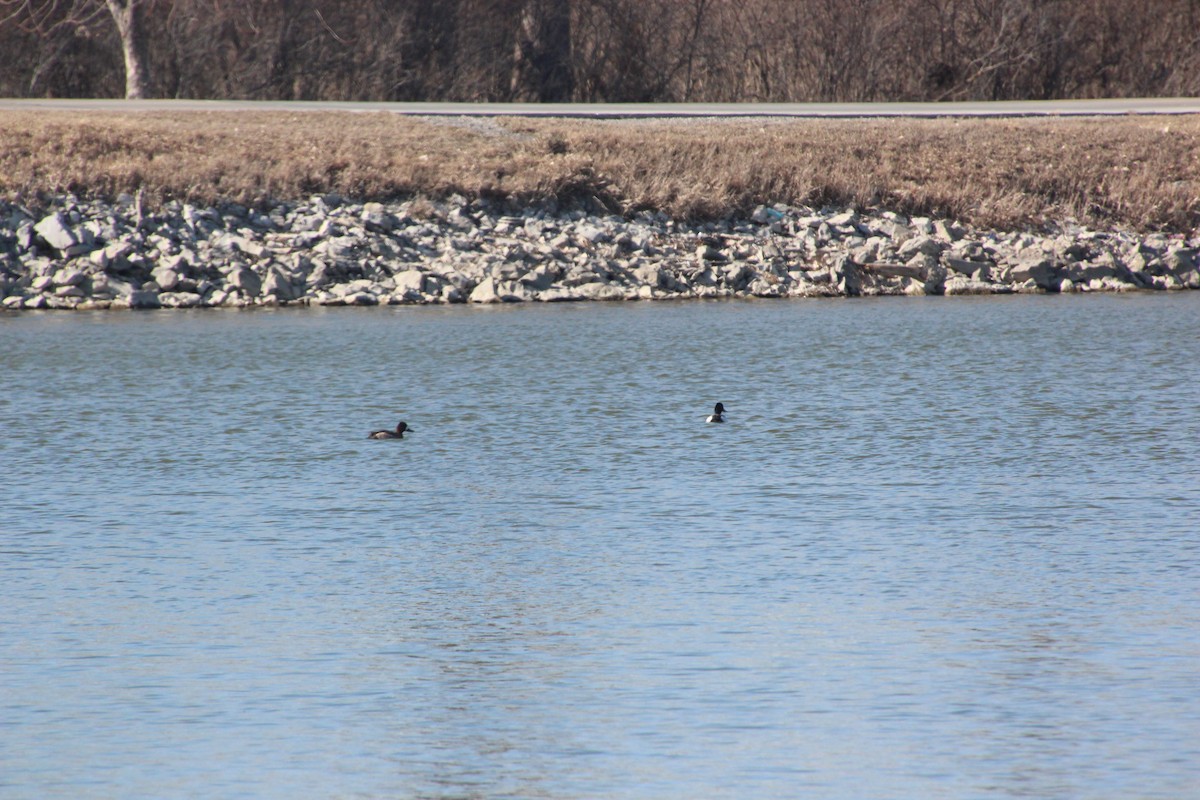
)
(941, 549)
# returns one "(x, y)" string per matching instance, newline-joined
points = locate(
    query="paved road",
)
(627, 110)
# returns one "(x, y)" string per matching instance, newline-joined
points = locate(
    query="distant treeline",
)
(601, 50)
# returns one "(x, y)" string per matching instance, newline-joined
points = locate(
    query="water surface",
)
(944, 548)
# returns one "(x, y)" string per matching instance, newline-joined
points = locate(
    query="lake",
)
(943, 548)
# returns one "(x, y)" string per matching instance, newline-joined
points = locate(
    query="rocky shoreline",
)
(90, 254)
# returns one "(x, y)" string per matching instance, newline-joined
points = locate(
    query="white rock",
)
(761, 287)
(1112, 285)
(179, 299)
(56, 232)
(166, 278)
(947, 231)
(119, 287)
(361, 299)
(921, 225)
(69, 276)
(1039, 270)
(411, 281)
(920, 244)
(359, 285)
(244, 245)
(559, 294)
(491, 290)
(538, 279)
(245, 279)
(142, 298)
(100, 258)
(600, 291)
(650, 275)
(118, 250)
(593, 234)
(485, 292)
(25, 237)
(278, 285)
(736, 276)
(375, 217)
(577, 276)
(764, 215)
(962, 266)
(960, 285)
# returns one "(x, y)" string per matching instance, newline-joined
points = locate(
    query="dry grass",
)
(1141, 172)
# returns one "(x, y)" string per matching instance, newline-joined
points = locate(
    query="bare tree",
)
(542, 53)
(601, 50)
(127, 14)
(52, 18)
(53, 25)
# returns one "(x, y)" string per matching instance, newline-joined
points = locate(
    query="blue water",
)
(943, 548)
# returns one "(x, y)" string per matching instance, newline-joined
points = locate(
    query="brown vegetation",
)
(602, 50)
(1141, 172)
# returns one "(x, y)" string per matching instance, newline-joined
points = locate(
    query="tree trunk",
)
(542, 56)
(127, 15)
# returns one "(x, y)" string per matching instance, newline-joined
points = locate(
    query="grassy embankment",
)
(1137, 172)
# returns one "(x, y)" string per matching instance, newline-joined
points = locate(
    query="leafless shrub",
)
(604, 50)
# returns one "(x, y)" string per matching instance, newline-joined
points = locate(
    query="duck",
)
(718, 414)
(396, 434)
